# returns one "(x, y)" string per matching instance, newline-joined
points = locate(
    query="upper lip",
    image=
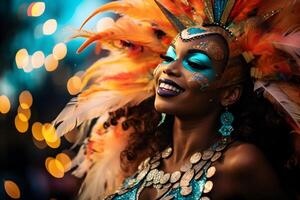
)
(170, 82)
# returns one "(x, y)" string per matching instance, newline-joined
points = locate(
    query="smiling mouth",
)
(168, 88)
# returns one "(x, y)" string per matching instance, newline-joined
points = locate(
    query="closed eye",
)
(167, 59)
(197, 66)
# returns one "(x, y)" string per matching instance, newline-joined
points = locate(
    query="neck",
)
(193, 135)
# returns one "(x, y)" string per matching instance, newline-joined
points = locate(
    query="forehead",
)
(210, 43)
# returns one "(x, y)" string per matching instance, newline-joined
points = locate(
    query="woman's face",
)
(186, 81)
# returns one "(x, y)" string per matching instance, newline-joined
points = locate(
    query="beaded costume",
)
(264, 33)
(191, 182)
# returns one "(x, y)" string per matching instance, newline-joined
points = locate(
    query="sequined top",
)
(174, 193)
(193, 181)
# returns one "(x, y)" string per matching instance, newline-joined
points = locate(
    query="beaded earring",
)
(226, 119)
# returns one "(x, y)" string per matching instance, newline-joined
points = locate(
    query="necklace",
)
(199, 167)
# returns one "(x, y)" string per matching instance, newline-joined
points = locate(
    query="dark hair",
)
(257, 122)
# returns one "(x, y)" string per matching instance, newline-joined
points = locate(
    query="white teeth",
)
(169, 87)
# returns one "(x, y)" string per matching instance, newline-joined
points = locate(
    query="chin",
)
(163, 106)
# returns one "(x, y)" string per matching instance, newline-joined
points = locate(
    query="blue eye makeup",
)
(197, 62)
(170, 56)
(194, 61)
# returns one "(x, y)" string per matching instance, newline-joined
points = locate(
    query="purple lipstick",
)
(168, 88)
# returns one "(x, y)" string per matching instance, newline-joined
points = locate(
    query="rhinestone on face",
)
(166, 153)
(175, 177)
(196, 157)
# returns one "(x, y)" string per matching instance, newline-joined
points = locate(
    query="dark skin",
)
(243, 172)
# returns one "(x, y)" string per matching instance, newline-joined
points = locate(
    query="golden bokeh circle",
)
(12, 189)
(4, 104)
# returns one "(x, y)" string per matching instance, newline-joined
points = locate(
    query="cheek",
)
(198, 80)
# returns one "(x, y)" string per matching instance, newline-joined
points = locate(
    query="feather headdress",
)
(265, 32)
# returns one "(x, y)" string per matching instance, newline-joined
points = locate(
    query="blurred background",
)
(39, 74)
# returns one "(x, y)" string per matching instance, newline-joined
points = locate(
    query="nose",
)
(172, 69)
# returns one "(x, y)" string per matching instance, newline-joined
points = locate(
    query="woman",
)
(203, 86)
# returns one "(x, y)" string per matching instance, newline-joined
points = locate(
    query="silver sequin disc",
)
(196, 157)
(166, 153)
(186, 178)
(208, 186)
(216, 156)
(186, 191)
(165, 178)
(211, 172)
(175, 176)
(207, 154)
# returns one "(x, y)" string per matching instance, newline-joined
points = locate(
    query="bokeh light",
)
(25, 99)
(60, 51)
(37, 59)
(12, 189)
(55, 167)
(74, 85)
(22, 58)
(4, 104)
(24, 114)
(28, 68)
(50, 27)
(21, 126)
(36, 42)
(36, 9)
(65, 160)
(49, 133)
(51, 63)
(54, 145)
(36, 130)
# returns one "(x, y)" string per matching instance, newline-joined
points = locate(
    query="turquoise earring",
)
(163, 118)
(226, 119)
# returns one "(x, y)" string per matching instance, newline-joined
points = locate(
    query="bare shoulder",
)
(242, 157)
(251, 174)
